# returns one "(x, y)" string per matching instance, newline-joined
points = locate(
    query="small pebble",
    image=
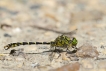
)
(16, 30)
(102, 64)
(64, 57)
(34, 65)
(2, 57)
(7, 35)
(87, 64)
(87, 50)
(19, 59)
(69, 67)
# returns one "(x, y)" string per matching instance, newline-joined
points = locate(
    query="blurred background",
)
(44, 20)
(54, 14)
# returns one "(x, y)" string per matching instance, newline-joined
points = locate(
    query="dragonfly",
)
(61, 41)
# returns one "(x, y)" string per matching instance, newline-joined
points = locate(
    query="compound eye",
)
(74, 41)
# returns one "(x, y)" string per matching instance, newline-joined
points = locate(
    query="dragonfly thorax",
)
(64, 42)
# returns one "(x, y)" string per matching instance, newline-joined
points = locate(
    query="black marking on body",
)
(24, 43)
(38, 42)
(18, 43)
(46, 43)
(31, 43)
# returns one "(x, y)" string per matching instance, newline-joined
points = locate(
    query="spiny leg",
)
(59, 55)
(51, 55)
(67, 50)
(57, 51)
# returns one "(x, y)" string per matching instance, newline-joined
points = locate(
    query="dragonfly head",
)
(74, 41)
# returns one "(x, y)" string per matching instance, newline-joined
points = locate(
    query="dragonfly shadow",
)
(53, 51)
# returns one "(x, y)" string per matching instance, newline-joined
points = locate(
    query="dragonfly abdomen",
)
(11, 45)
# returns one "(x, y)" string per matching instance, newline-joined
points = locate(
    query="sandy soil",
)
(44, 20)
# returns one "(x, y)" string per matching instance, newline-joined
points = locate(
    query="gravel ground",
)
(44, 20)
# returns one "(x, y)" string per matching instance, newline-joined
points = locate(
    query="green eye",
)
(74, 41)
